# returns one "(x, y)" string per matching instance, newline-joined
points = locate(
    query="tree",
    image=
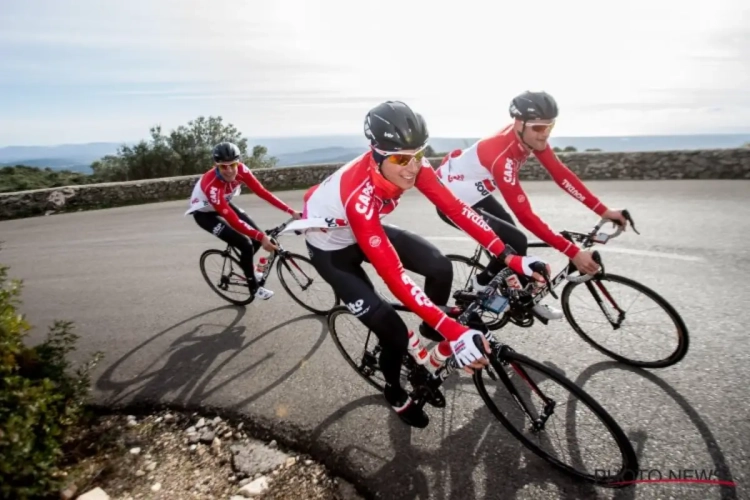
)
(185, 151)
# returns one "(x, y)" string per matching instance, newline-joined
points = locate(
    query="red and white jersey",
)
(493, 163)
(347, 207)
(212, 194)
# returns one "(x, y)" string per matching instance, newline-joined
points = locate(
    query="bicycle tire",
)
(294, 256)
(335, 312)
(630, 459)
(491, 325)
(223, 254)
(682, 332)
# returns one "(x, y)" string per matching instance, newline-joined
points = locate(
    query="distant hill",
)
(339, 148)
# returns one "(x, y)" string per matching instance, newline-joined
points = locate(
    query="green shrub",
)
(40, 399)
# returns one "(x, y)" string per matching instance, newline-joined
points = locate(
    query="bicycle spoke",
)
(657, 337)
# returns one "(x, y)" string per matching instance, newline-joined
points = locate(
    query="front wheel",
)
(608, 306)
(535, 403)
(308, 282)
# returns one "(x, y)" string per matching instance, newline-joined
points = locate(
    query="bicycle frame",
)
(274, 254)
(587, 240)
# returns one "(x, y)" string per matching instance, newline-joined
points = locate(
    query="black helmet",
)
(225, 152)
(533, 106)
(393, 126)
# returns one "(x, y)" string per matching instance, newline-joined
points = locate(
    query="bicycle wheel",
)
(224, 282)
(491, 320)
(341, 321)
(612, 311)
(291, 262)
(519, 367)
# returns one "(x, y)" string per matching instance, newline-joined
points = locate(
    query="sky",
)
(93, 70)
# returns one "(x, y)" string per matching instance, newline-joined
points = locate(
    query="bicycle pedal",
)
(435, 398)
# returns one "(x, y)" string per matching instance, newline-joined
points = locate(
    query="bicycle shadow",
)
(479, 460)
(639, 438)
(187, 371)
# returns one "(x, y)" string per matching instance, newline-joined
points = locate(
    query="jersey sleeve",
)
(375, 244)
(516, 199)
(246, 176)
(220, 204)
(456, 210)
(569, 181)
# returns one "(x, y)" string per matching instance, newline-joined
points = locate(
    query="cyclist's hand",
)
(616, 215)
(268, 244)
(522, 265)
(468, 356)
(585, 262)
(297, 215)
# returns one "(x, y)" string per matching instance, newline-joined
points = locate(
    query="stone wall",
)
(698, 164)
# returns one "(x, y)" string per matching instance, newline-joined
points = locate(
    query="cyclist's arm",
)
(374, 243)
(220, 204)
(569, 181)
(246, 176)
(516, 199)
(457, 211)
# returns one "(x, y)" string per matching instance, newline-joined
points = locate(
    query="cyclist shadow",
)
(479, 460)
(639, 438)
(187, 370)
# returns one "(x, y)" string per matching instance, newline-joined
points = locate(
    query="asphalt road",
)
(129, 279)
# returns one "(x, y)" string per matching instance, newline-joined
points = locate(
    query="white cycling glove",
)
(465, 349)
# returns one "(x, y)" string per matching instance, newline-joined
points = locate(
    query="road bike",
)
(521, 312)
(232, 275)
(508, 366)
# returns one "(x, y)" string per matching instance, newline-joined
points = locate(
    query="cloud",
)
(296, 67)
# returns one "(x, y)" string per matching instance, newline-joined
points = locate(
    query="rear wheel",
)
(223, 273)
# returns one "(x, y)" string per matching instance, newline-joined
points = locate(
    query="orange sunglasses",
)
(402, 159)
(541, 127)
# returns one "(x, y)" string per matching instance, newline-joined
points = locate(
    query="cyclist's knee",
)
(388, 326)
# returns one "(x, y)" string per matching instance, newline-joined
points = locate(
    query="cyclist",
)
(493, 162)
(213, 210)
(347, 208)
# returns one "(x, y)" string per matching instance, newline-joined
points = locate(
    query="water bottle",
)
(262, 265)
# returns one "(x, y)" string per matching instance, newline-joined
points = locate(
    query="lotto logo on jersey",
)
(415, 291)
(475, 218)
(214, 194)
(452, 178)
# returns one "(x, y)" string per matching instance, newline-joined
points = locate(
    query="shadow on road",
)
(189, 367)
(479, 459)
(482, 460)
(639, 439)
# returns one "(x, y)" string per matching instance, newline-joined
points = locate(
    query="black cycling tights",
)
(214, 224)
(342, 269)
(506, 231)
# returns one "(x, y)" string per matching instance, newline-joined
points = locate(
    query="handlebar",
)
(586, 277)
(596, 236)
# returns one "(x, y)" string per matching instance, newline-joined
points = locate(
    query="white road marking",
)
(603, 249)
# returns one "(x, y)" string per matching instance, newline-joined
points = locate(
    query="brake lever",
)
(541, 268)
(628, 217)
(598, 259)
